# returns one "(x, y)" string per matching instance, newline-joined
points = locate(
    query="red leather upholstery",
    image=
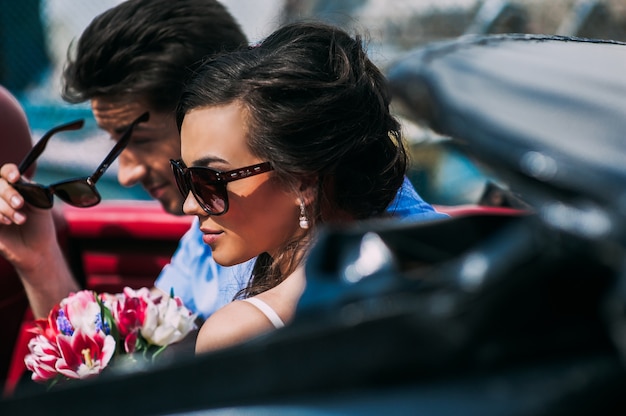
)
(121, 243)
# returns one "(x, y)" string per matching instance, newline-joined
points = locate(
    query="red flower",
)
(84, 355)
(47, 327)
(42, 358)
(130, 315)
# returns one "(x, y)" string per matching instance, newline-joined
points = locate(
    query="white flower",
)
(167, 321)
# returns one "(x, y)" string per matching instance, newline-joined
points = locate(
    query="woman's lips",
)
(211, 237)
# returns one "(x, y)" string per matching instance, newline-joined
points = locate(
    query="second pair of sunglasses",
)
(79, 192)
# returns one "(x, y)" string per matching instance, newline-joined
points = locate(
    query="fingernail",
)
(16, 202)
(19, 218)
(13, 176)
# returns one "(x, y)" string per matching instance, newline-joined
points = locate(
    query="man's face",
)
(146, 158)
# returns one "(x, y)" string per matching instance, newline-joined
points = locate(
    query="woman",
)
(280, 138)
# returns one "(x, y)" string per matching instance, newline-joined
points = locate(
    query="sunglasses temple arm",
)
(117, 149)
(39, 147)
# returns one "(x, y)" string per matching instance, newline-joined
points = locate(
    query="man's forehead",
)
(115, 115)
(107, 110)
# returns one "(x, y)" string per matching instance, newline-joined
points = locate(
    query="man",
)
(131, 59)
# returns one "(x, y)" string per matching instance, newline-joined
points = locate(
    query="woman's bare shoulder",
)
(230, 325)
(239, 321)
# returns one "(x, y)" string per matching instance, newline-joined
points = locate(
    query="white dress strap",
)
(267, 311)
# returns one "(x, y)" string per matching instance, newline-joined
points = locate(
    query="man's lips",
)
(156, 192)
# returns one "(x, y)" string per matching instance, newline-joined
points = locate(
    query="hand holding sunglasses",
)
(79, 192)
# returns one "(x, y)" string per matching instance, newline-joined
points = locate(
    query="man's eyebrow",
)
(121, 129)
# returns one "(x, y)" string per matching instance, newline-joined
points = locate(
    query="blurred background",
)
(35, 36)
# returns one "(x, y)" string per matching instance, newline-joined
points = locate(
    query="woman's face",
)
(262, 215)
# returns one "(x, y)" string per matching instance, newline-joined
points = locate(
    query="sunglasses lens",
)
(204, 185)
(78, 193)
(211, 195)
(34, 194)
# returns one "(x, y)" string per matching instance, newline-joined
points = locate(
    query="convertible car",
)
(494, 311)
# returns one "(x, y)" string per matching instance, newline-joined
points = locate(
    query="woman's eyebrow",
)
(207, 160)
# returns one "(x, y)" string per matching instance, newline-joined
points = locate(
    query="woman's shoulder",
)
(234, 323)
(241, 320)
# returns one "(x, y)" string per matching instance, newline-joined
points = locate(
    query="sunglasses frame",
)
(182, 172)
(47, 192)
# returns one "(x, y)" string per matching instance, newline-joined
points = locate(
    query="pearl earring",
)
(304, 222)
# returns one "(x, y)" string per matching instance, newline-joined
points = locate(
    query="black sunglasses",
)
(80, 192)
(208, 186)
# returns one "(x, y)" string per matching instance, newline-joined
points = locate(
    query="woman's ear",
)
(307, 191)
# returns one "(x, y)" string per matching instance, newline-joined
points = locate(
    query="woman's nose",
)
(191, 206)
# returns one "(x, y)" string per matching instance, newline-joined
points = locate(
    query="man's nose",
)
(130, 170)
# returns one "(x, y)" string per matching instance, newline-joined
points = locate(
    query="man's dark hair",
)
(146, 48)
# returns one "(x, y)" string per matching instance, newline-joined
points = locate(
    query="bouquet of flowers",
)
(86, 331)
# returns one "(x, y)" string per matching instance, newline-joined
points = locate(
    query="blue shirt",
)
(204, 286)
